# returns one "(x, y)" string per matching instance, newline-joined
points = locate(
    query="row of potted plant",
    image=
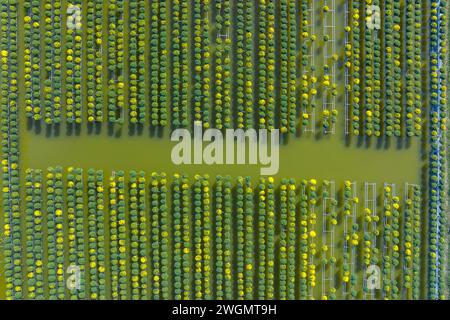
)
(240, 85)
(55, 233)
(94, 65)
(304, 250)
(52, 65)
(411, 243)
(398, 67)
(438, 168)
(116, 67)
(118, 233)
(249, 240)
(158, 65)
(368, 76)
(75, 222)
(96, 234)
(329, 112)
(177, 231)
(353, 63)
(284, 69)
(136, 53)
(240, 240)
(179, 64)
(390, 248)
(34, 254)
(223, 238)
(418, 115)
(270, 114)
(93, 276)
(73, 54)
(351, 241)
(222, 72)
(10, 151)
(309, 80)
(329, 222)
(138, 235)
(412, 64)
(159, 236)
(32, 57)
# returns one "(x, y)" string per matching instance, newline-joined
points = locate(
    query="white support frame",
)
(328, 236)
(353, 218)
(370, 202)
(346, 75)
(385, 249)
(329, 103)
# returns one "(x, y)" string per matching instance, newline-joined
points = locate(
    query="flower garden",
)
(383, 68)
(91, 90)
(220, 225)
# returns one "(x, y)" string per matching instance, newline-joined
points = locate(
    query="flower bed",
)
(351, 240)
(368, 74)
(94, 61)
(223, 235)
(291, 239)
(73, 98)
(202, 240)
(437, 161)
(34, 235)
(249, 241)
(262, 230)
(284, 82)
(411, 242)
(10, 151)
(75, 218)
(186, 220)
(159, 236)
(304, 240)
(390, 243)
(116, 62)
(389, 84)
(179, 64)
(418, 116)
(329, 222)
(52, 82)
(219, 244)
(137, 112)
(353, 65)
(377, 75)
(270, 116)
(32, 60)
(417, 205)
(240, 239)
(239, 85)
(329, 86)
(93, 276)
(118, 232)
(398, 65)
(410, 69)
(312, 234)
(222, 85)
(308, 90)
(93, 50)
(177, 208)
(55, 233)
(158, 56)
(138, 239)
